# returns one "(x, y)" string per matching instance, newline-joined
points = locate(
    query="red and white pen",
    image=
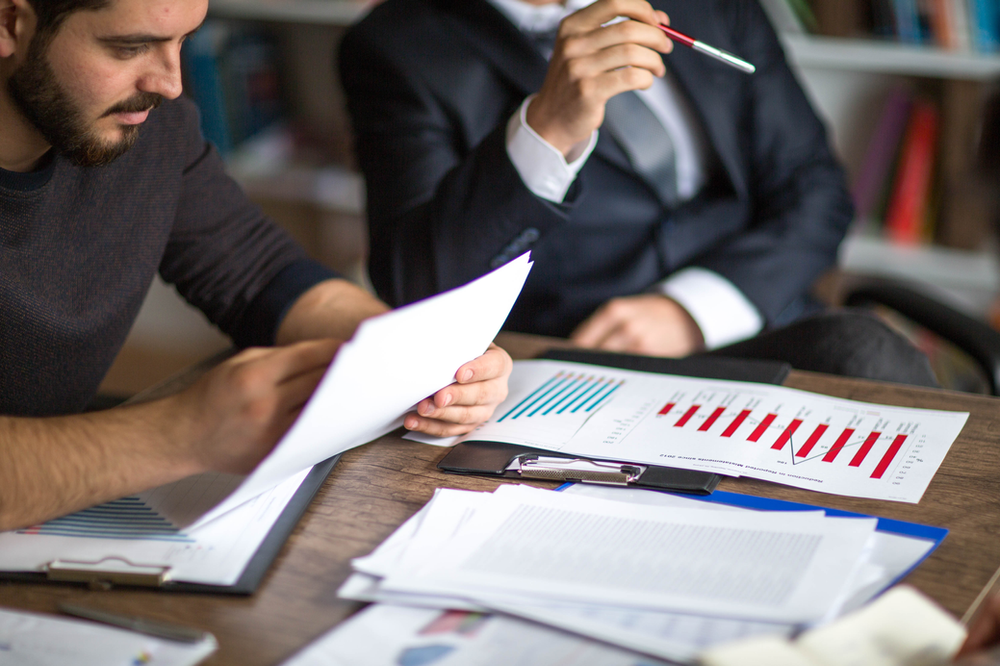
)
(702, 47)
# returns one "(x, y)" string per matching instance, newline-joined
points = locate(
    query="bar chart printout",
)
(768, 432)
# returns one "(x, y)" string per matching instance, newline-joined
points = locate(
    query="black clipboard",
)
(496, 458)
(256, 568)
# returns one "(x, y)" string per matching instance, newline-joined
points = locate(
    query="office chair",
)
(972, 336)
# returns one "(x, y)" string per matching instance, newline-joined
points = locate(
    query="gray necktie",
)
(638, 132)
(645, 141)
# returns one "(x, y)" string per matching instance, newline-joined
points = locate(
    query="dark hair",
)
(51, 14)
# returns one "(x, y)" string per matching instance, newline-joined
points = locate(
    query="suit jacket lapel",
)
(488, 31)
(695, 75)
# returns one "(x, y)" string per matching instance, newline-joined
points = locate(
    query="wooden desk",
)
(377, 486)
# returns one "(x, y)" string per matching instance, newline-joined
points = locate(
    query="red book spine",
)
(904, 221)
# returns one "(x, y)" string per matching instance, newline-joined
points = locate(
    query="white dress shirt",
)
(720, 309)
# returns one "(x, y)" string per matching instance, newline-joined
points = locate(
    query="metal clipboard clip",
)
(531, 466)
(106, 572)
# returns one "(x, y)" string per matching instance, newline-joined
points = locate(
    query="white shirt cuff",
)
(542, 168)
(721, 311)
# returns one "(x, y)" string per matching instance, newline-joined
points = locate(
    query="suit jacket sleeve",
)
(441, 211)
(799, 206)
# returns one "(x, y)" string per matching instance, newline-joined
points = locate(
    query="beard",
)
(46, 105)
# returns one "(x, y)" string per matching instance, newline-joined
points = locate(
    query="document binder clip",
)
(578, 470)
(107, 572)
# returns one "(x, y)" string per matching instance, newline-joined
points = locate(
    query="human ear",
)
(17, 26)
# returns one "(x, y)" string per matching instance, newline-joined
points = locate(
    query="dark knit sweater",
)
(80, 246)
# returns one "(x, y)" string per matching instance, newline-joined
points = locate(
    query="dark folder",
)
(252, 575)
(497, 458)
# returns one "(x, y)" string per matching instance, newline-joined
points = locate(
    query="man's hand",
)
(591, 64)
(649, 324)
(481, 385)
(237, 412)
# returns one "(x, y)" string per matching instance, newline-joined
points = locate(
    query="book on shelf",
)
(232, 74)
(869, 186)
(905, 220)
(923, 177)
(953, 25)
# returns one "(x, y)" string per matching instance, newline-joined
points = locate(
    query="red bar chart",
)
(762, 428)
(786, 434)
(862, 453)
(831, 455)
(735, 428)
(890, 454)
(710, 421)
(683, 421)
(737, 422)
(811, 442)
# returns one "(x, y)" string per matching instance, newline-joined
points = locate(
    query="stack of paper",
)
(663, 580)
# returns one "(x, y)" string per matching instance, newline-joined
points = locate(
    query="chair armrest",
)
(972, 336)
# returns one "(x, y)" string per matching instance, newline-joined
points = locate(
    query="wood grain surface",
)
(379, 485)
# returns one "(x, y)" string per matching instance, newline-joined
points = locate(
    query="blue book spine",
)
(985, 20)
(202, 54)
(907, 21)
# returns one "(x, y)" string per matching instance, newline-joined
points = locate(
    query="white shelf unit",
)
(848, 81)
(966, 280)
(863, 55)
(315, 12)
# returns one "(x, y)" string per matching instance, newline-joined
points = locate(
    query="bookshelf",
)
(315, 12)
(848, 81)
(867, 55)
(846, 78)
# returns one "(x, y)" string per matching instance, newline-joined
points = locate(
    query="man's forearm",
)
(331, 309)
(53, 466)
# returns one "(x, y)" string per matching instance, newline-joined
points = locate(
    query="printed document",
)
(778, 434)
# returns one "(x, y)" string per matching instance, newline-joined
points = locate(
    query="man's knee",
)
(852, 343)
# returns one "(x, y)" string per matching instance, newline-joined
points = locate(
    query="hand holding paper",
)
(393, 362)
(481, 385)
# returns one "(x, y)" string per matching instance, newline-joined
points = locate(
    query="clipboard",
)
(513, 461)
(105, 577)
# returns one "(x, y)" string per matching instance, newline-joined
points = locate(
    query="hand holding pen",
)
(594, 60)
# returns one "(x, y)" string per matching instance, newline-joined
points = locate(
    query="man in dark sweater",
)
(101, 186)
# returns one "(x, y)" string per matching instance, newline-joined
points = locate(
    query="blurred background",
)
(907, 88)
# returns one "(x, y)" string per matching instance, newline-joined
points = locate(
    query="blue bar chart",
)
(565, 392)
(126, 518)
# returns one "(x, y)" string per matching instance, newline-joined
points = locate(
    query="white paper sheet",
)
(385, 634)
(392, 362)
(767, 432)
(677, 636)
(786, 568)
(42, 640)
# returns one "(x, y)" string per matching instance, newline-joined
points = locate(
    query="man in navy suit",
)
(489, 127)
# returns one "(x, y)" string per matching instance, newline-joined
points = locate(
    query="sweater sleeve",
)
(224, 255)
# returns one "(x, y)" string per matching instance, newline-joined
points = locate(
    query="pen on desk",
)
(156, 628)
(702, 47)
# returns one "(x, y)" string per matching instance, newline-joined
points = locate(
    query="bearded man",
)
(105, 179)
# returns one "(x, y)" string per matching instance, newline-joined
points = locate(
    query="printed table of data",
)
(736, 428)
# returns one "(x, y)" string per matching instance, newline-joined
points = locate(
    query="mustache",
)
(136, 104)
